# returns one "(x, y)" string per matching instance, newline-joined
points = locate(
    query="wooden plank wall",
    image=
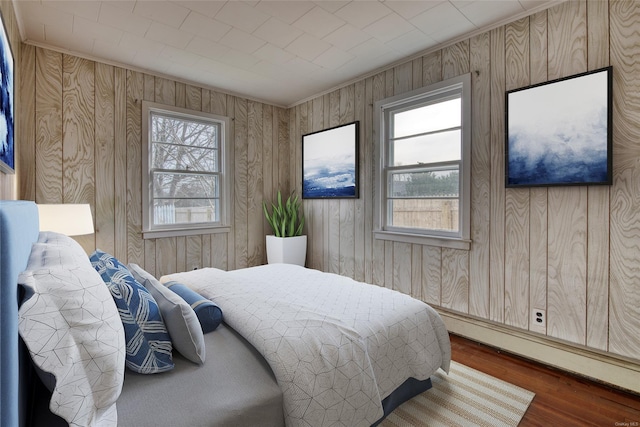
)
(574, 251)
(85, 145)
(9, 182)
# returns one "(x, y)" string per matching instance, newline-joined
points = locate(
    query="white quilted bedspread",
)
(336, 346)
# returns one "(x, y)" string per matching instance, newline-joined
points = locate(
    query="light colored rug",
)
(465, 397)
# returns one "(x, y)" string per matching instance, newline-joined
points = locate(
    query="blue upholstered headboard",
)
(19, 229)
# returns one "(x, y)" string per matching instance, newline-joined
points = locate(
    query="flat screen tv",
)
(559, 132)
(330, 163)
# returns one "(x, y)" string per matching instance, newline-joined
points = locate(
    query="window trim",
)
(223, 226)
(461, 240)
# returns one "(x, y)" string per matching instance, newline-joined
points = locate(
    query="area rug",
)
(465, 397)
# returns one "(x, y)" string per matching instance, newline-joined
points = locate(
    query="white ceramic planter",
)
(287, 250)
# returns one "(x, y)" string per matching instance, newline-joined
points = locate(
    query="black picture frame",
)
(7, 104)
(330, 163)
(559, 133)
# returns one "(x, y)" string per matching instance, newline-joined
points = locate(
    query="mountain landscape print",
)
(329, 163)
(559, 133)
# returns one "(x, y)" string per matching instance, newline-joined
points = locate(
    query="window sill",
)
(443, 242)
(175, 232)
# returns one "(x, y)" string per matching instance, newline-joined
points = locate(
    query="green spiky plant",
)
(285, 219)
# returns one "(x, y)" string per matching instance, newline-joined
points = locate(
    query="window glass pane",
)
(185, 132)
(441, 183)
(170, 156)
(429, 118)
(177, 185)
(432, 148)
(167, 212)
(432, 214)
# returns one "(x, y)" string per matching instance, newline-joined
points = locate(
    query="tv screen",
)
(330, 162)
(559, 132)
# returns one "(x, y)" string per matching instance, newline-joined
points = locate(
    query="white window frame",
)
(441, 90)
(151, 231)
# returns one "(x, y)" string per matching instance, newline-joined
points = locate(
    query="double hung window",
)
(423, 170)
(186, 188)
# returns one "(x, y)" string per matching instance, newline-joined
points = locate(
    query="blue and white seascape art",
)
(329, 163)
(559, 133)
(7, 157)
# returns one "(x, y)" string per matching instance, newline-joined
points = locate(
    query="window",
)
(186, 190)
(423, 170)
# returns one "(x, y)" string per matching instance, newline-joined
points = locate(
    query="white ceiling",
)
(281, 52)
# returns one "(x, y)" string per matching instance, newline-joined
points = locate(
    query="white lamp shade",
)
(69, 219)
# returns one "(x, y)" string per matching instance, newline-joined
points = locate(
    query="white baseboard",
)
(617, 371)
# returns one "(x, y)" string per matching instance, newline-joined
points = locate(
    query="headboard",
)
(19, 229)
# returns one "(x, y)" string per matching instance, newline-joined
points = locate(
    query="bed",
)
(246, 380)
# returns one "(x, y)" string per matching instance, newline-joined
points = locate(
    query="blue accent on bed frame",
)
(19, 229)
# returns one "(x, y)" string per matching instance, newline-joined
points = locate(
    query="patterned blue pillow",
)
(209, 314)
(148, 343)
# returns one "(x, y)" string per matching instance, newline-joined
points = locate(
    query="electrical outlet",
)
(538, 320)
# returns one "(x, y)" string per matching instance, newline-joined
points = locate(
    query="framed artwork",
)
(7, 117)
(330, 163)
(560, 132)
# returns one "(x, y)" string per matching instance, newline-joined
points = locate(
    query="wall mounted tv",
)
(330, 163)
(560, 132)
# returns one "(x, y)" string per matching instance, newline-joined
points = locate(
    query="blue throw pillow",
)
(209, 314)
(148, 343)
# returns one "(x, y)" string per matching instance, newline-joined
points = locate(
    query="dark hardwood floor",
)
(561, 399)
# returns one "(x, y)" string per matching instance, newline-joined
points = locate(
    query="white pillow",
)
(181, 321)
(73, 331)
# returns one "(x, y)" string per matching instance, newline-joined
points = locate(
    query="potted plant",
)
(286, 244)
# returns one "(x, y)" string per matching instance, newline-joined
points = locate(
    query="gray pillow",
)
(181, 321)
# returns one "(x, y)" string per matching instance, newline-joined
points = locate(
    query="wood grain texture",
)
(432, 275)
(368, 148)
(347, 206)
(48, 105)
(598, 206)
(517, 238)
(538, 196)
(255, 217)
(517, 54)
(567, 30)
(359, 216)
(105, 158)
(135, 243)
(624, 302)
(227, 254)
(455, 60)
(402, 259)
(315, 223)
(26, 122)
(455, 280)
(240, 181)
(378, 93)
(566, 299)
(432, 68)
(78, 133)
(479, 284)
(516, 264)
(416, 271)
(496, 254)
(268, 190)
(165, 91)
(120, 162)
(334, 205)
